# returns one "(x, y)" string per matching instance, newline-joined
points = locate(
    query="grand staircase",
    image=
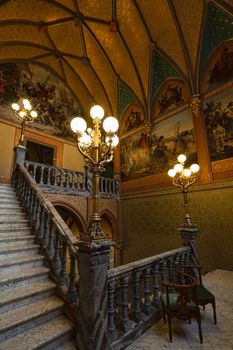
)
(31, 315)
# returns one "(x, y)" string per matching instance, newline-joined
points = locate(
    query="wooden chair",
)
(180, 301)
(204, 296)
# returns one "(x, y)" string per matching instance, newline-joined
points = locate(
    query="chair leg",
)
(214, 310)
(169, 328)
(200, 330)
(163, 311)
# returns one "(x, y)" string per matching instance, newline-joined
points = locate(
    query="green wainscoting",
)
(150, 222)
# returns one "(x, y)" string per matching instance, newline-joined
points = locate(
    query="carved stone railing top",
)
(57, 242)
(134, 293)
(61, 180)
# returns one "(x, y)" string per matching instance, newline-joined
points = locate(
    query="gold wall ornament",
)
(97, 150)
(195, 105)
(24, 113)
(183, 178)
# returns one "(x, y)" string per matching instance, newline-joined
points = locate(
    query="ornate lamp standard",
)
(24, 114)
(183, 177)
(97, 151)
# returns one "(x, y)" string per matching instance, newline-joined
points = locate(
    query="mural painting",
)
(155, 150)
(133, 118)
(218, 113)
(53, 101)
(219, 69)
(172, 94)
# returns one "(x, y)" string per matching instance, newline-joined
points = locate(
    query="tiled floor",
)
(185, 336)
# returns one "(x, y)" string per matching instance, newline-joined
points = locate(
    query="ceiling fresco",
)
(96, 47)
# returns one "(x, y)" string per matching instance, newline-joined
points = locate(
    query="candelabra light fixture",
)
(24, 113)
(97, 149)
(183, 177)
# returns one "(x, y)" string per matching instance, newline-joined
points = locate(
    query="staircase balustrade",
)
(57, 242)
(52, 178)
(133, 294)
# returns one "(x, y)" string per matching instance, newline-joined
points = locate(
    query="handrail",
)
(55, 238)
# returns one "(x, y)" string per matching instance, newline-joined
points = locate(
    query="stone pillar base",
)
(20, 154)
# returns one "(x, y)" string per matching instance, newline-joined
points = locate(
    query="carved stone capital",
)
(195, 105)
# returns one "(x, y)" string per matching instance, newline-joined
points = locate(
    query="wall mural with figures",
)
(54, 102)
(153, 150)
(218, 114)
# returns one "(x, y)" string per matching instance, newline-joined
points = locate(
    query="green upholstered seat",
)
(173, 302)
(203, 293)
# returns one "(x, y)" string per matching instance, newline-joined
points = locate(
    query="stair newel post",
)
(56, 259)
(93, 259)
(72, 289)
(137, 296)
(64, 278)
(155, 272)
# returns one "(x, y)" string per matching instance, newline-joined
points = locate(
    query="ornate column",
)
(201, 141)
(93, 299)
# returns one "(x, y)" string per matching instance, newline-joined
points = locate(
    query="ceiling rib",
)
(183, 44)
(55, 48)
(142, 19)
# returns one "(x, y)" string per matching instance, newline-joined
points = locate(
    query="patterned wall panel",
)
(218, 28)
(152, 223)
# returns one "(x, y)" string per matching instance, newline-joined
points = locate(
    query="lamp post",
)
(97, 150)
(24, 113)
(183, 178)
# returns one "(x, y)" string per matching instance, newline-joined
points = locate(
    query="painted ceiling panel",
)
(195, 7)
(79, 90)
(54, 63)
(67, 38)
(102, 67)
(19, 52)
(68, 3)
(23, 32)
(118, 55)
(89, 78)
(96, 8)
(162, 27)
(38, 10)
(133, 31)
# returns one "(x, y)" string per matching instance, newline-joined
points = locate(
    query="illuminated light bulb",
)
(110, 124)
(194, 168)
(22, 114)
(78, 124)
(181, 158)
(97, 112)
(187, 172)
(114, 141)
(85, 140)
(33, 114)
(171, 172)
(178, 168)
(26, 104)
(15, 106)
(89, 131)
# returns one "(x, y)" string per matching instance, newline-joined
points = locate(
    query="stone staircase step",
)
(9, 211)
(24, 318)
(11, 299)
(44, 336)
(12, 216)
(15, 232)
(18, 238)
(67, 346)
(8, 195)
(19, 277)
(20, 262)
(10, 206)
(17, 250)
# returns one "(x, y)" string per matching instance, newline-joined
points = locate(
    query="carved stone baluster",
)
(155, 272)
(33, 172)
(64, 278)
(32, 203)
(49, 176)
(38, 214)
(73, 180)
(56, 259)
(67, 178)
(41, 175)
(182, 269)
(78, 182)
(62, 178)
(124, 301)
(137, 315)
(171, 270)
(102, 184)
(163, 274)
(45, 237)
(111, 310)
(147, 303)
(72, 290)
(28, 201)
(176, 260)
(51, 250)
(41, 223)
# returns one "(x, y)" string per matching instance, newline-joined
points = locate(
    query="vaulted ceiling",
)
(93, 44)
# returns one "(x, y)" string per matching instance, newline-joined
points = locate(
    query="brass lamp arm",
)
(85, 154)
